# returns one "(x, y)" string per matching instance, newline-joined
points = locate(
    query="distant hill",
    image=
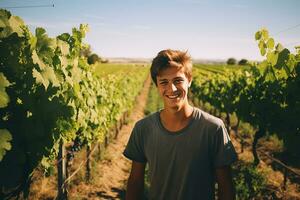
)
(148, 60)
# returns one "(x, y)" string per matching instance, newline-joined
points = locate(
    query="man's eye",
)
(163, 83)
(178, 81)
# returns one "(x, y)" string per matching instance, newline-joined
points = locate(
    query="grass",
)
(219, 68)
(103, 69)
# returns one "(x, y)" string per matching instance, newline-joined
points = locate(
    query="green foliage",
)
(231, 61)
(4, 98)
(249, 182)
(243, 62)
(93, 58)
(49, 93)
(5, 138)
(265, 95)
(86, 51)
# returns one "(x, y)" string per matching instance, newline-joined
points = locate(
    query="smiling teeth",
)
(173, 97)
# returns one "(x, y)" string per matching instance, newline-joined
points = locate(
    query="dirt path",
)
(110, 174)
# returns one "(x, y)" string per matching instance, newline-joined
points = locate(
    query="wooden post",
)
(116, 129)
(99, 151)
(228, 123)
(88, 164)
(62, 173)
(285, 178)
(242, 145)
(106, 139)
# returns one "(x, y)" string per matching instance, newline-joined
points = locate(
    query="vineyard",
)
(64, 123)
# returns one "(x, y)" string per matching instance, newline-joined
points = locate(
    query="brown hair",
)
(169, 58)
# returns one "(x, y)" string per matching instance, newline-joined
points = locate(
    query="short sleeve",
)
(135, 146)
(224, 152)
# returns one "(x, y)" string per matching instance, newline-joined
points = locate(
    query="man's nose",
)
(173, 87)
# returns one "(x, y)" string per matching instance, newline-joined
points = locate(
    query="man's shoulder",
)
(208, 119)
(148, 120)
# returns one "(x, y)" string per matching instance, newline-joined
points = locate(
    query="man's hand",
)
(225, 184)
(135, 185)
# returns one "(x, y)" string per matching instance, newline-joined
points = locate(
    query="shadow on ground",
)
(119, 194)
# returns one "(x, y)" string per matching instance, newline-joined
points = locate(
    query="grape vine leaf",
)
(258, 35)
(282, 58)
(270, 43)
(10, 24)
(265, 34)
(4, 98)
(37, 60)
(16, 24)
(45, 77)
(272, 57)
(64, 47)
(5, 145)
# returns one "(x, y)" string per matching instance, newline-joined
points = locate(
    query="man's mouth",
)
(172, 96)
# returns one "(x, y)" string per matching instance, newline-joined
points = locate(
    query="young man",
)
(187, 149)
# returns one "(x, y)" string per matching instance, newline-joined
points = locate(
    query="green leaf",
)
(37, 60)
(39, 78)
(265, 34)
(64, 37)
(49, 74)
(279, 47)
(258, 35)
(5, 145)
(45, 77)
(63, 46)
(4, 98)
(4, 14)
(64, 61)
(45, 162)
(270, 43)
(45, 46)
(40, 32)
(32, 42)
(4, 24)
(76, 74)
(283, 56)
(291, 63)
(262, 47)
(272, 58)
(3, 81)
(263, 51)
(84, 28)
(10, 24)
(16, 24)
(269, 74)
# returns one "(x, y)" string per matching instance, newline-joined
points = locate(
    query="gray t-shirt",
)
(181, 163)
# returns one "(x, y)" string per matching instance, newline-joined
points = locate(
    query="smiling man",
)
(187, 149)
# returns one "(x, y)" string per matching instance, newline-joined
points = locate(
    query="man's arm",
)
(225, 183)
(135, 185)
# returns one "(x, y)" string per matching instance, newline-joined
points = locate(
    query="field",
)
(267, 179)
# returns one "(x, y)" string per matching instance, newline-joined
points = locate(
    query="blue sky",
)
(208, 29)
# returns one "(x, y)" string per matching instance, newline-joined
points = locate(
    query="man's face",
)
(173, 85)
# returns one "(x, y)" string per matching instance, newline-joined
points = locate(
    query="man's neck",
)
(174, 120)
(177, 115)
